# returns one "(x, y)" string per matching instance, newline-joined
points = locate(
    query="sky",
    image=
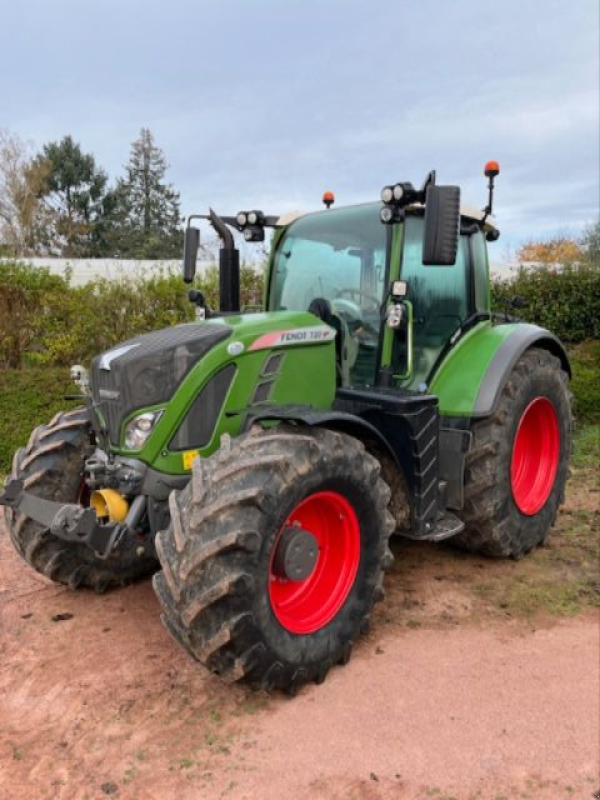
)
(266, 104)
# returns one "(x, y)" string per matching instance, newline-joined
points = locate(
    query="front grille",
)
(106, 400)
(147, 370)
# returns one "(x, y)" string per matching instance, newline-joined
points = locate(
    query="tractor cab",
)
(341, 264)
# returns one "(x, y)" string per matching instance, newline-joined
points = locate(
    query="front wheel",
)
(518, 464)
(275, 555)
(51, 466)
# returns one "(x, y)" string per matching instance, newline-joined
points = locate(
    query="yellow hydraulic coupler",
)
(109, 503)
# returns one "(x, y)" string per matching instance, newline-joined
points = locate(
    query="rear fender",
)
(471, 378)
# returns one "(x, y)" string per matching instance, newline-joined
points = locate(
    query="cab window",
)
(440, 298)
(337, 259)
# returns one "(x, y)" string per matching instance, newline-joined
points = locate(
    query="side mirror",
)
(442, 225)
(190, 253)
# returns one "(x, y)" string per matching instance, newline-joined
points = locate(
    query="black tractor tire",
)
(216, 556)
(495, 525)
(51, 466)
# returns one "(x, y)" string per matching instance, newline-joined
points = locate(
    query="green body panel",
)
(306, 376)
(458, 379)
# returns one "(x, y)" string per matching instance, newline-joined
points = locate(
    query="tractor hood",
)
(147, 370)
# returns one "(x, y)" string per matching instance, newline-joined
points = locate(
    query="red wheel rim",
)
(536, 452)
(308, 605)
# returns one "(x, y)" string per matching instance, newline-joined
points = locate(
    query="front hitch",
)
(68, 521)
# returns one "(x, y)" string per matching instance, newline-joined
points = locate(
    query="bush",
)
(27, 297)
(86, 320)
(585, 385)
(29, 397)
(564, 300)
(45, 320)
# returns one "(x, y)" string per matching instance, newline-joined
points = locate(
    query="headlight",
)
(139, 429)
(241, 219)
(386, 214)
(387, 193)
(398, 192)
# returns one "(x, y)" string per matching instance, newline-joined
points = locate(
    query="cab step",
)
(446, 527)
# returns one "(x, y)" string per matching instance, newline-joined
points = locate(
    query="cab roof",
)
(468, 212)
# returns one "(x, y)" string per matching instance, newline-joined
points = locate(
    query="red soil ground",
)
(103, 703)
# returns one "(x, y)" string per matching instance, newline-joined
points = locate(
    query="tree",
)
(73, 192)
(25, 224)
(146, 216)
(591, 245)
(563, 251)
(558, 250)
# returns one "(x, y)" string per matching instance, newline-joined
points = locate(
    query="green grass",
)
(586, 448)
(536, 593)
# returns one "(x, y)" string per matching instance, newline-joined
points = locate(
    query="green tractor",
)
(257, 464)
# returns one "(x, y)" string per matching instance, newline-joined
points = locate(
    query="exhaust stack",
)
(229, 266)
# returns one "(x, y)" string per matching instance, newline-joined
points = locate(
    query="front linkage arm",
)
(67, 521)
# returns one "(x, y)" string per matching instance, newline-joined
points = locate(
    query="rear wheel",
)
(518, 465)
(275, 555)
(51, 466)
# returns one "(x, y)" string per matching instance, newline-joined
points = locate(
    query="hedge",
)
(29, 397)
(45, 320)
(585, 384)
(565, 300)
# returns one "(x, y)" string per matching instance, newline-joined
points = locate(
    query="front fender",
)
(470, 380)
(308, 415)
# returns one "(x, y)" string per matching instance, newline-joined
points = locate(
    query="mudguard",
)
(404, 426)
(471, 377)
(307, 415)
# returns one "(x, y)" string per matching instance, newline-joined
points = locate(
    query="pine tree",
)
(72, 193)
(145, 214)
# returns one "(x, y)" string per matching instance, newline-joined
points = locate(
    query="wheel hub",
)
(535, 457)
(296, 555)
(320, 541)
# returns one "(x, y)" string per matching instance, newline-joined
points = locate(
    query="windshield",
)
(339, 257)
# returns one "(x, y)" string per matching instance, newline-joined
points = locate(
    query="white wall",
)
(88, 269)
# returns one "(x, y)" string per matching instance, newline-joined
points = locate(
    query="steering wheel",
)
(352, 314)
(358, 293)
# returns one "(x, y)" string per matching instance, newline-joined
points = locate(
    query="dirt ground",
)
(480, 680)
